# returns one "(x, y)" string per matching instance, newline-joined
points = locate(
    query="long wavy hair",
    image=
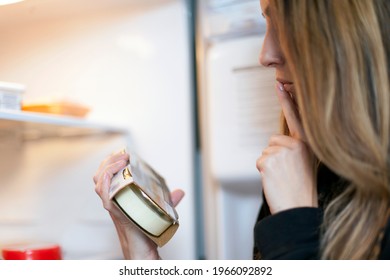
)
(339, 54)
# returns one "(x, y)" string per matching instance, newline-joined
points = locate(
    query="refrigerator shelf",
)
(34, 126)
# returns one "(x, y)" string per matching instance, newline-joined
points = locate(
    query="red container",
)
(32, 252)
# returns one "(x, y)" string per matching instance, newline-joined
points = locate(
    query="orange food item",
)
(58, 108)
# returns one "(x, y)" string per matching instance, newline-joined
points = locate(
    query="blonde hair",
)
(338, 52)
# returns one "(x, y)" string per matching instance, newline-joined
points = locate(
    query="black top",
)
(295, 233)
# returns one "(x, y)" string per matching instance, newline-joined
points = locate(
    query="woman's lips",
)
(289, 87)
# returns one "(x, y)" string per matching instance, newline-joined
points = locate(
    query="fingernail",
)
(280, 87)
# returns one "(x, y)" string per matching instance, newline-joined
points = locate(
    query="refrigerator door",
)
(243, 112)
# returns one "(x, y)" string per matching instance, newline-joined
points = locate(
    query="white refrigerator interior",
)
(129, 62)
(240, 113)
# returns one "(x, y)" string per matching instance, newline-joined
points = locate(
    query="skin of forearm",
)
(130, 241)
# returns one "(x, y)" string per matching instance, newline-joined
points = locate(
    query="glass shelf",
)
(34, 126)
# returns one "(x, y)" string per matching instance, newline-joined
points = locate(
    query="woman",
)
(332, 61)
(326, 179)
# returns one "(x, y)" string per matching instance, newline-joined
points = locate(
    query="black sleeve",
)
(385, 249)
(290, 234)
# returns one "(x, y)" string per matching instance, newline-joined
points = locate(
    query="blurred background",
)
(177, 80)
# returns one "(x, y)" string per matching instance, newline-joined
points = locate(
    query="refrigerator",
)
(239, 112)
(177, 80)
(130, 63)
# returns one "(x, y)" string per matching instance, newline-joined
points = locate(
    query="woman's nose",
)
(270, 55)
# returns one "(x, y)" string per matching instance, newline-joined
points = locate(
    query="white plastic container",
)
(11, 95)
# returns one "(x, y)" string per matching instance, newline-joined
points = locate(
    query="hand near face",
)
(287, 164)
(135, 244)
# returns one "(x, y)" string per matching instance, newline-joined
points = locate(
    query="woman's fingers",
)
(285, 141)
(290, 113)
(110, 160)
(177, 196)
(103, 179)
